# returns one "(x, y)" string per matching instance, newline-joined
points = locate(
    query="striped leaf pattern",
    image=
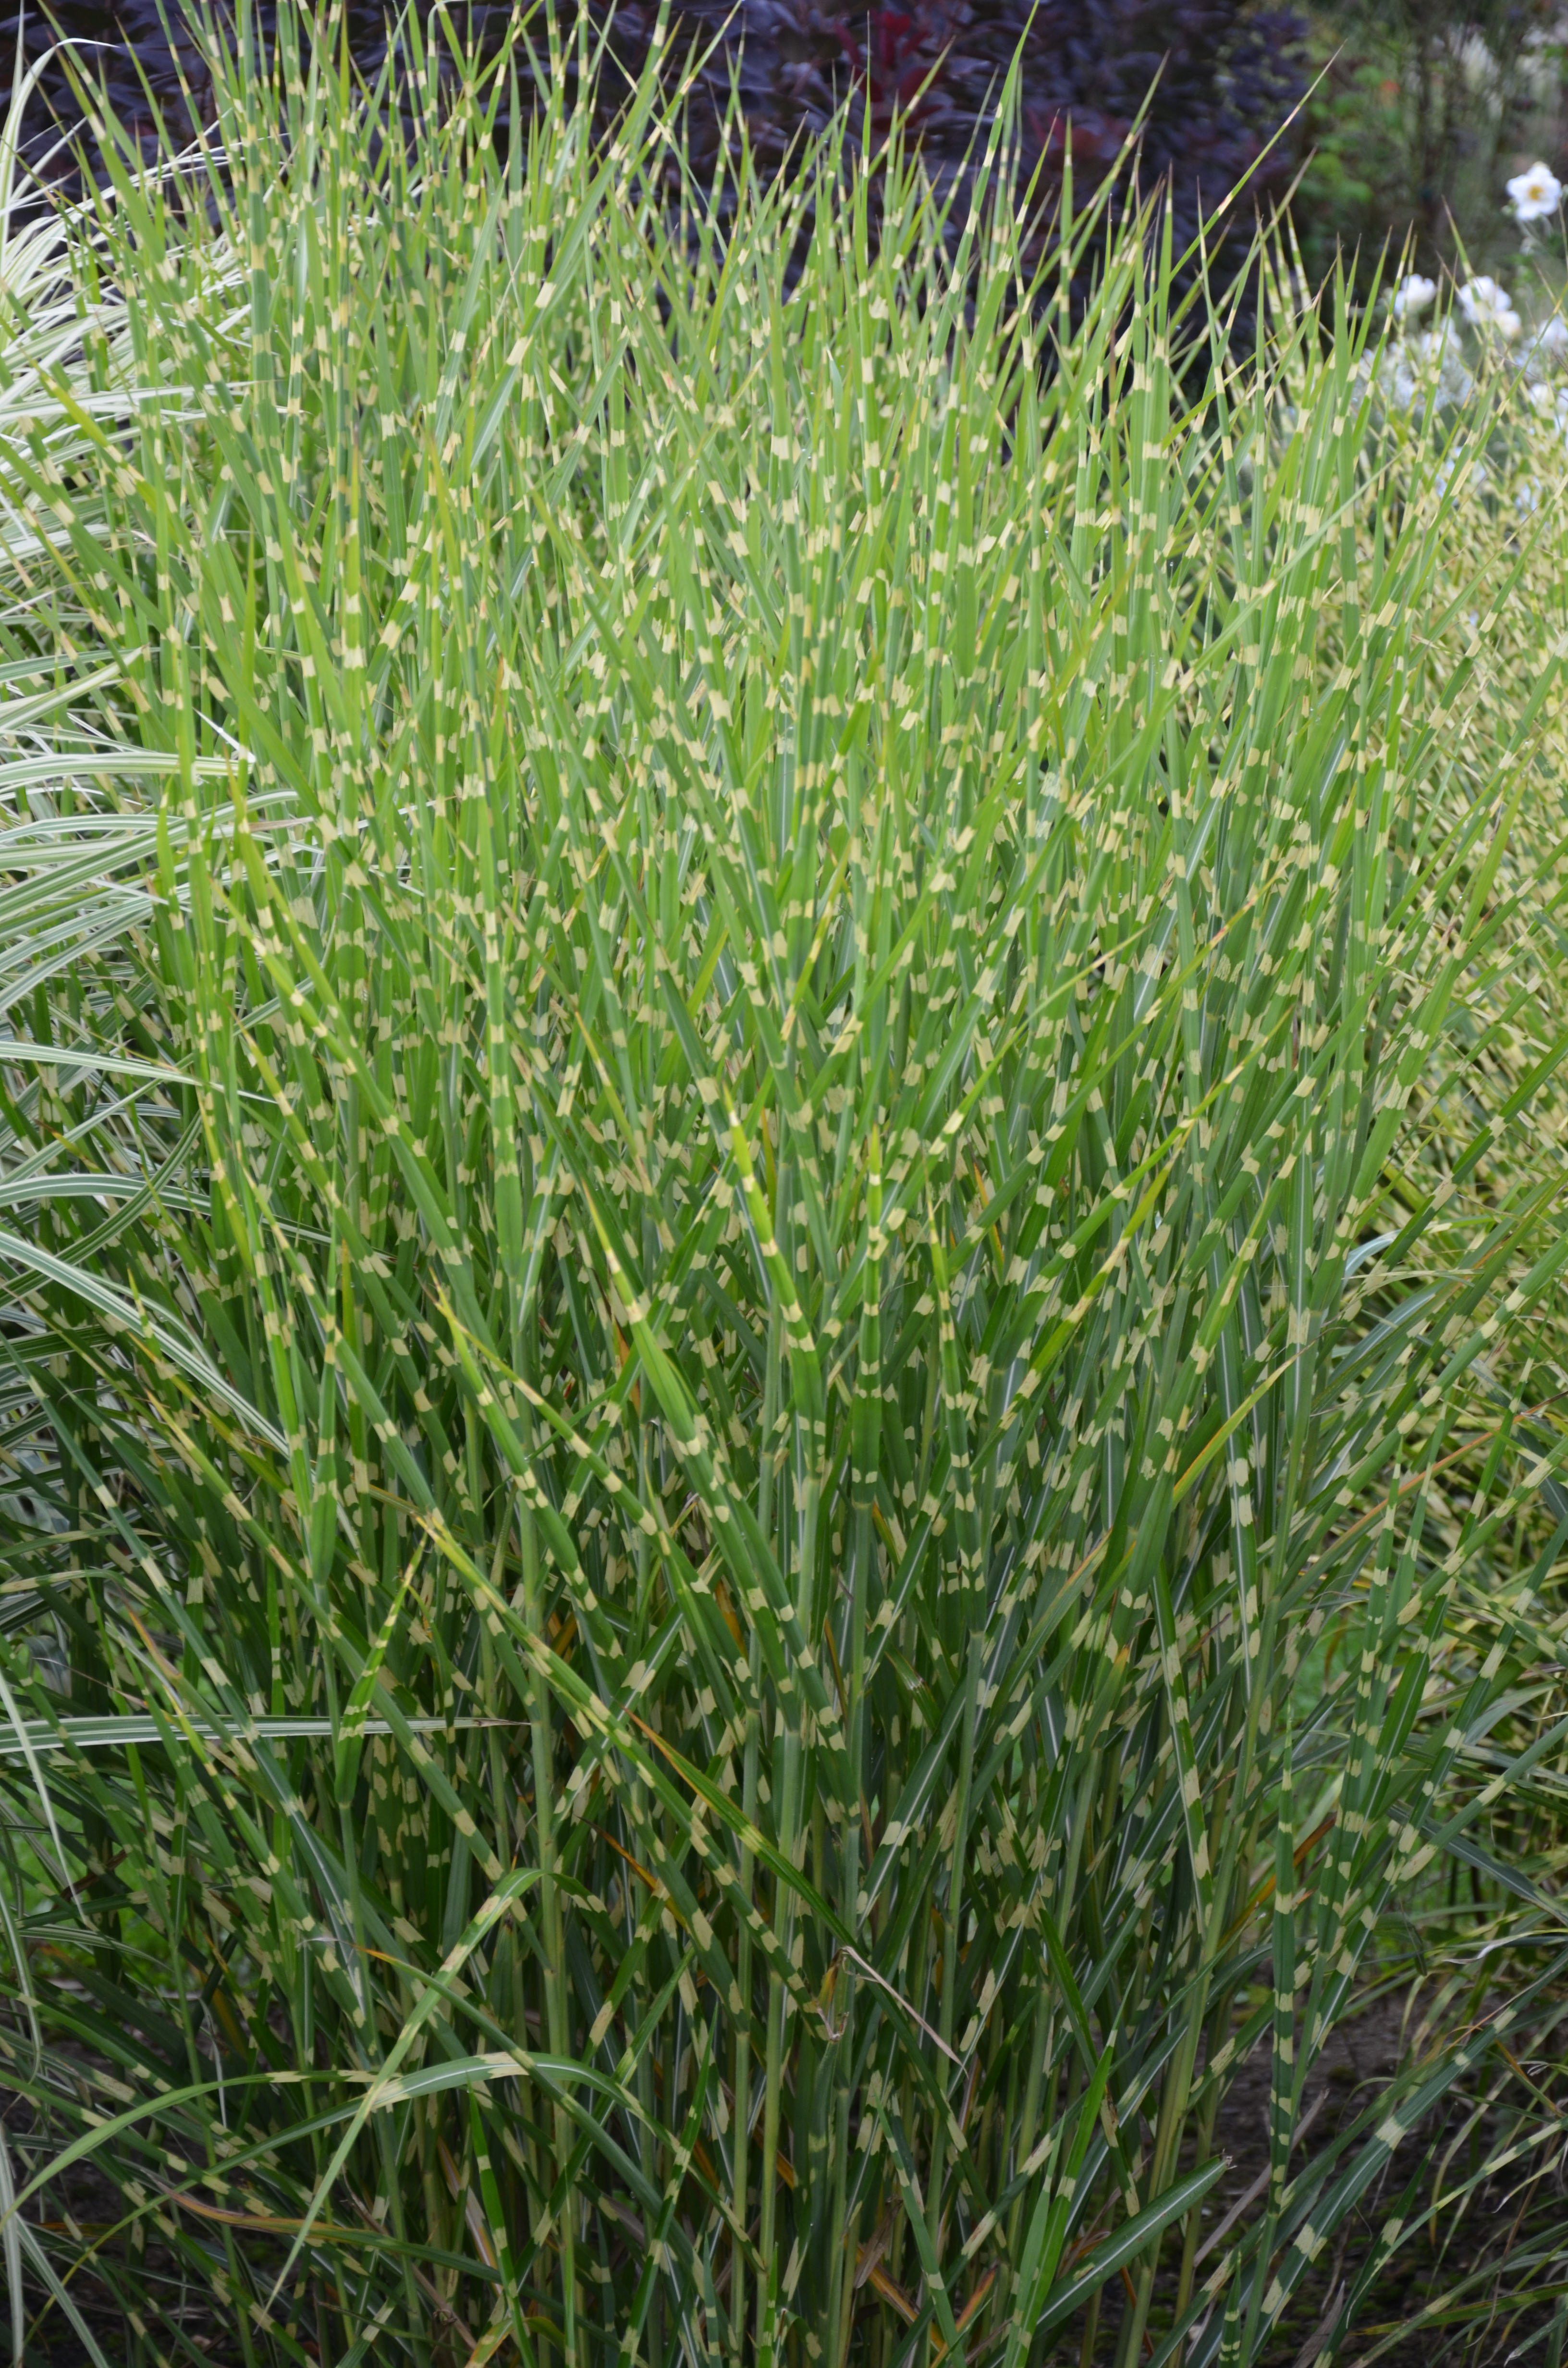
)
(751, 1442)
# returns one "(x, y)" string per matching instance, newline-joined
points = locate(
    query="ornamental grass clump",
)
(775, 1205)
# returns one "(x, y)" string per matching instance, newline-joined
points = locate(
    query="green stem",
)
(543, 1755)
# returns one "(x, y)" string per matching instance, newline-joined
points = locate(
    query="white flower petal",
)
(1535, 194)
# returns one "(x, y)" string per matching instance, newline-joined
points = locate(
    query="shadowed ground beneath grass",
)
(1501, 2319)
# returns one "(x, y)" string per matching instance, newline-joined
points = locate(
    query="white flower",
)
(1440, 351)
(1397, 381)
(1427, 370)
(1486, 307)
(1547, 350)
(1411, 296)
(1535, 193)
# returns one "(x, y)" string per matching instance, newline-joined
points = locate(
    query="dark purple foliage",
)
(1216, 83)
(1224, 78)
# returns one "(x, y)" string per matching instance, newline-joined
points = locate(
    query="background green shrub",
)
(1424, 110)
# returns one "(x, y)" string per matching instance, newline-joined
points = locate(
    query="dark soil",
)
(1355, 2067)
